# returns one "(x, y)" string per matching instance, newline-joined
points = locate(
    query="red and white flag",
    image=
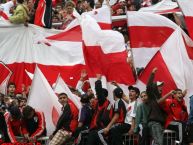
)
(162, 7)
(154, 30)
(187, 9)
(43, 98)
(173, 76)
(61, 87)
(5, 74)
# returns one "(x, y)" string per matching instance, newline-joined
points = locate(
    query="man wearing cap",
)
(157, 116)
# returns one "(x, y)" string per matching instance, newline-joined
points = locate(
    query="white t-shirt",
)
(131, 112)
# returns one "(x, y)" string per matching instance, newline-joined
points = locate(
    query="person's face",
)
(85, 5)
(22, 103)
(98, 5)
(63, 99)
(178, 95)
(69, 9)
(132, 94)
(11, 89)
(144, 97)
(30, 4)
(89, 92)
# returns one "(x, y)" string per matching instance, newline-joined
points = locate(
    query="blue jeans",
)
(157, 132)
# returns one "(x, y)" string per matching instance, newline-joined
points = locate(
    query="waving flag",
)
(162, 7)
(43, 98)
(5, 74)
(186, 7)
(155, 30)
(61, 87)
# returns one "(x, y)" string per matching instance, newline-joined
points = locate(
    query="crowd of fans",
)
(145, 114)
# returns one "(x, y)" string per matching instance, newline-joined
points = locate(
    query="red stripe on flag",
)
(189, 23)
(112, 65)
(4, 15)
(148, 36)
(162, 74)
(4, 72)
(71, 74)
(105, 26)
(74, 34)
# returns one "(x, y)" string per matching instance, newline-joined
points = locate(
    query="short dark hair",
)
(27, 110)
(11, 84)
(105, 92)
(15, 112)
(118, 92)
(20, 1)
(61, 94)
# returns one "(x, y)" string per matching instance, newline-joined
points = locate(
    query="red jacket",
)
(36, 126)
(176, 110)
(14, 127)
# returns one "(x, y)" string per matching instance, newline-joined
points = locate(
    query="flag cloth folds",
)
(187, 9)
(5, 74)
(43, 98)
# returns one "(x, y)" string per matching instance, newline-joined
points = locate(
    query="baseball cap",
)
(158, 83)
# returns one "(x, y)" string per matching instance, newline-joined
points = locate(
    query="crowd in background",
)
(145, 113)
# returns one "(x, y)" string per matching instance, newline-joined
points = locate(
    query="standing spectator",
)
(190, 123)
(157, 116)
(11, 89)
(141, 120)
(20, 14)
(67, 122)
(34, 122)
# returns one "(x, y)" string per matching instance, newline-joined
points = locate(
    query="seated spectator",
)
(20, 14)
(102, 115)
(34, 122)
(3, 130)
(177, 114)
(14, 123)
(85, 117)
(115, 128)
(11, 88)
(67, 122)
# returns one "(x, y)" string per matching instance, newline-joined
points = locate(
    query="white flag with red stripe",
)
(43, 98)
(5, 74)
(61, 87)
(187, 9)
(163, 7)
(154, 29)
(173, 51)
(24, 47)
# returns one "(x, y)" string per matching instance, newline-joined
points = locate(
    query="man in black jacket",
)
(156, 117)
(67, 122)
